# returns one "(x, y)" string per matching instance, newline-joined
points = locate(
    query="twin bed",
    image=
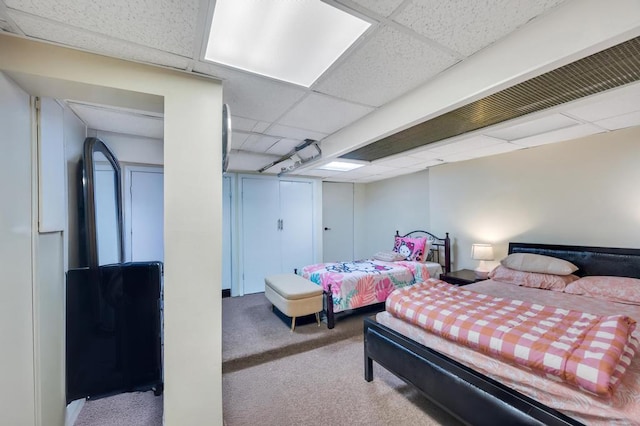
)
(475, 385)
(416, 256)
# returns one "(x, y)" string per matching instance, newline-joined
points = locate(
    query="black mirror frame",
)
(92, 145)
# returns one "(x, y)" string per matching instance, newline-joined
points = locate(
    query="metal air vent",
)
(613, 67)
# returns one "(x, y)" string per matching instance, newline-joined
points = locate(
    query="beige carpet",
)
(253, 334)
(126, 409)
(324, 386)
(313, 376)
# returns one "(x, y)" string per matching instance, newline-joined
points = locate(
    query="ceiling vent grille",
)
(613, 67)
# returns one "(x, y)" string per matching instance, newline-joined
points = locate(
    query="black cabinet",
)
(114, 329)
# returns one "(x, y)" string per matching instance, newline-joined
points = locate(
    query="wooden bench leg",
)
(293, 323)
(318, 318)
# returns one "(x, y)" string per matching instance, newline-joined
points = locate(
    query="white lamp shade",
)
(481, 252)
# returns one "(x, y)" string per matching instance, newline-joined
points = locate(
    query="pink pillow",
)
(411, 248)
(616, 289)
(531, 279)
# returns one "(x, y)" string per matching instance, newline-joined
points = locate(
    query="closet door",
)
(337, 221)
(296, 212)
(261, 254)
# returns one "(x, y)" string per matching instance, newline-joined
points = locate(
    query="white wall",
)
(17, 392)
(133, 149)
(582, 192)
(193, 183)
(398, 204)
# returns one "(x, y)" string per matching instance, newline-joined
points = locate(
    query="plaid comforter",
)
(588, 351)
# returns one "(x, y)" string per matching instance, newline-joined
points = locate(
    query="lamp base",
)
(481, 273)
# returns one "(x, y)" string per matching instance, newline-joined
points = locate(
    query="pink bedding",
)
(364, 282)
(623, 407)
(588, 351)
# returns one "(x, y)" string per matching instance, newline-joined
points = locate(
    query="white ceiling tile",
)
(467, 27)
(423, 153)
(39, 28)
(500, 148)
(323, 113)
(375, 169)
(261, 126)
(467, 144)
(613, 103)
(430, 163)
(388, 65)
(241, 123)
(621, 122)
(240, 161)
(163, 24)
(397, 172)
(381, 7)
(258, 143)
(368, 179)
(400, 161)
(253, 97)
(319, 173)
(533, 127)
(559, 135)
(120, 121)
(238, 139)
(283, 146)
(294, 133)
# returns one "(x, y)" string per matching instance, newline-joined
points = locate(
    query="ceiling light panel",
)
(341, 166)
(293, 41)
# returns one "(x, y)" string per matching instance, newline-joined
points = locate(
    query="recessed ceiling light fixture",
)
(295, 41)
(341, 166)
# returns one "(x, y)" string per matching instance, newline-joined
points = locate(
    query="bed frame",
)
(466, 394)
(440, 252)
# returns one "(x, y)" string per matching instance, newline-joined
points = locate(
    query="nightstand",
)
(461, 277)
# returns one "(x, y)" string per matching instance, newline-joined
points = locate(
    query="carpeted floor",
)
(271, 376)
(324, 386)
(313, 376)
(125, 409)
(253, 334)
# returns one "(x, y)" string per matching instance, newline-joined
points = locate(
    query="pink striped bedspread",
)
(588, 351)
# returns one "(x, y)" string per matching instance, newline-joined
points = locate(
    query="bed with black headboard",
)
(365, 283)
(470, 396)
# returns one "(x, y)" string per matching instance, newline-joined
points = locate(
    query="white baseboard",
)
(73, 411)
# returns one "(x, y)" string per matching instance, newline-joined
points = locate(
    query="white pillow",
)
(388, 256)
(529, 262)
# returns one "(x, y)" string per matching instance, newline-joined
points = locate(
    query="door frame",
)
(127, 169)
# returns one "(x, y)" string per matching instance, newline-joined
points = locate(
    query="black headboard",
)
(621, 262)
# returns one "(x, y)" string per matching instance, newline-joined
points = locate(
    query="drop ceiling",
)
(410, 44)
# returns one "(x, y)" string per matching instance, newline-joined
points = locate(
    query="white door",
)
(145, 215)
(296, 212)
(226, 233)
(337, 221)
(260, 232)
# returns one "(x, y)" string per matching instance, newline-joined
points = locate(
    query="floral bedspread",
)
(364, 282)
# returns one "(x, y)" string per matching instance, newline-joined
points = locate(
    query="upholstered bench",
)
(294, 296)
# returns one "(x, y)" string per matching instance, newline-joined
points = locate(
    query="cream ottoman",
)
(294, 296)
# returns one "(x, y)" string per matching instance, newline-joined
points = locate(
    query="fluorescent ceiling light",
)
(294, 41)
(340, 166)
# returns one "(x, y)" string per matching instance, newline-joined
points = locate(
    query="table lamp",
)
(482, 252)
